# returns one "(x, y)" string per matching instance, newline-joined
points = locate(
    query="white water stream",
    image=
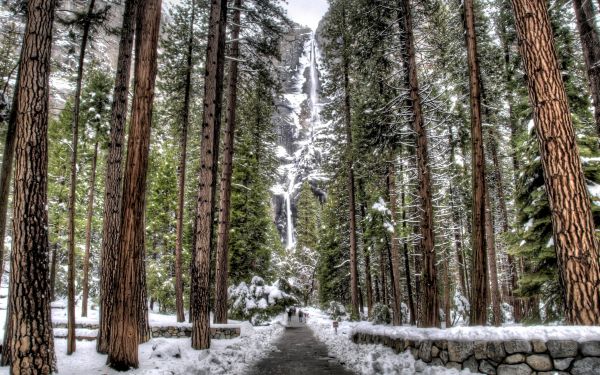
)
(315, 120)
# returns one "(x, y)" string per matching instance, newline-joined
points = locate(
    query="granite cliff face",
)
(299, 127)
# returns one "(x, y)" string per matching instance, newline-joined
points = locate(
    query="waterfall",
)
(314, 85)
(288, 203)
(312, 97)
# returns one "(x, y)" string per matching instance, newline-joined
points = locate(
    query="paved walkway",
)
(299, 353)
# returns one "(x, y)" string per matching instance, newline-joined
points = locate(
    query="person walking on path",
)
(290, 313)
(300, 315)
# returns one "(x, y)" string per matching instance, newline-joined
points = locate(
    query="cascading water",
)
(301, 160)
(315, 118)
(290, 221)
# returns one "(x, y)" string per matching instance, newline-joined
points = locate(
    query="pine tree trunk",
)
(396, 287)
(88, 234)
(590, 44)
(479, 292)
(53, 272)
(30, 341)
(499, 178)
(73, 185)
(209, 153)
(409, 289)
(456, 218)
(144, 333)
(111, 225)
(366, 251)
(430, 303)
(185, 121)
(350, 166)
(6, 171)
(447, 287)
(573, 226)
(492, 264)
(129, 289)
(508, 76)
(221, 277)
(384, 294)
(390, 266)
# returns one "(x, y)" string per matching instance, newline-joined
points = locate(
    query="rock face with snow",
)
(506, 357)
(299, 127)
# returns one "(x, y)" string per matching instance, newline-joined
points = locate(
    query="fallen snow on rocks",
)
(478, 333)
(367, 359)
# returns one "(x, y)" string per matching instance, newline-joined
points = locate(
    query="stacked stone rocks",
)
(217, 333)
(220, 333)
(511, 357)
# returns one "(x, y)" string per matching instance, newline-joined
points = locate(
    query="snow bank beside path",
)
(367, 359)
(505, 333)
(175, 356)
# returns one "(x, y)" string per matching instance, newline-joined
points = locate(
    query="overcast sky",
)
(307, 12)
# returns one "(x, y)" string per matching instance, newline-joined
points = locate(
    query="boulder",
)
(425, 351)
(539, 346)
(495, 351)
(586, 366)
(590, 348)
(562, 348)
(472, 364)
(514, 359)
(517, 346)
(521, 369)
(540, 362)
(563, 363)
(487, 367)
(458, 351)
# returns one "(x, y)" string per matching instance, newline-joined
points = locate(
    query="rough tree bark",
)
(366, 251)
(71, 343)
(112, 195)
(409, 288)
(430, 303)
(209, 153)
(382, 277)
(456, 217)
(513, 266)
(53, 271)
(88, 234)
(396, 287)
(572, 223)
(227, 171)
(125, 322)
(479, 291)
(590, 44)
(185, 123)
(31, 344)
(350, 167)
(7, 167)
(492, 263)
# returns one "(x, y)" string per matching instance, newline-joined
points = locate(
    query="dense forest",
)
(432, 163)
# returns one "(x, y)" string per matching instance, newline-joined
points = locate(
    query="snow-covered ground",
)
(367, 359)
(161, 356)
(175, 356)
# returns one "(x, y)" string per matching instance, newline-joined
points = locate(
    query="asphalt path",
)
(299, 353)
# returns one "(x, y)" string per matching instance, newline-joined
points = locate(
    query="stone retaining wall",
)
(217, 333)
(512, 357)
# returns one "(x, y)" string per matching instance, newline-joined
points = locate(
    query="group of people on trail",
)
(301, 315)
